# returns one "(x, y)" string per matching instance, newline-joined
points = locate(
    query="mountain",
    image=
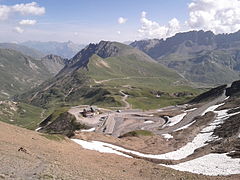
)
(54, 63)
(64, 49)
(199, 56)
(23, 49)
(107, 73)
(19, 72)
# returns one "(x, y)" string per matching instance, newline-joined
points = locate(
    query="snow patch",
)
(38, 128)
(148, 122)
(184, 127)
(167, 136)
(211, 164)
(176, 119)
(98, 146)
(88, 130)
(190, 110)
(212, 108)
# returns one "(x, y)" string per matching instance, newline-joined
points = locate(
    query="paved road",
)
(110, 124)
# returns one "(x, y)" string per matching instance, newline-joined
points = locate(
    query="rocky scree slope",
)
(54, 63)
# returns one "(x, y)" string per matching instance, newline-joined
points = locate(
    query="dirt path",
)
(124, 99)
(107, 80)
(132, 77)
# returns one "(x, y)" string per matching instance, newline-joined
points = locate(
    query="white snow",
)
(212, 108)
(98, 146)
(189, 110)
(176, 119)
(199, 141)
(211, 164)
(88, 130)
(184, 127)
(38, 128)
(227, 98)
(167, 136)
(148, 122)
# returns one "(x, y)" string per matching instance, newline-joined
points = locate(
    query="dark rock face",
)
(64, 124)
(234, 89)
(56, 59)
(54, 63)
(213, 93)
(158, 48)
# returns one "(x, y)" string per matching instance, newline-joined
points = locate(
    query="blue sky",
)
(84, 21)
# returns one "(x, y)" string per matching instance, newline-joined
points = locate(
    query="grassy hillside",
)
(34, 53)
(21, 114)
(107, 73)
(19, 73)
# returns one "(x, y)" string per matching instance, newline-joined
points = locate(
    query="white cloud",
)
(24, 9)
(152, 29)
(220, 16)
(4, 12)
(29, 9)
(27, 22)
(18, 30)
(118, 32)
(122, 20)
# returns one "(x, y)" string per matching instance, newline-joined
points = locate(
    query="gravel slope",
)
(27, 155)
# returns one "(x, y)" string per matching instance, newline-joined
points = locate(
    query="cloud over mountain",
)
(152, 29)
(220, 16)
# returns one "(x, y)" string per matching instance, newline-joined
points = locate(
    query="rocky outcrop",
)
(54, 63)
(64, 124)
(234, 89)
(211, 94)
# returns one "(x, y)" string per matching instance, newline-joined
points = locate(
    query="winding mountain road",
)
(124, 99)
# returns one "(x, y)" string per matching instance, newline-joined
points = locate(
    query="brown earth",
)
(27, 155)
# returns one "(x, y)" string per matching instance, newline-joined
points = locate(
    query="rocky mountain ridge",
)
(199, 56)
